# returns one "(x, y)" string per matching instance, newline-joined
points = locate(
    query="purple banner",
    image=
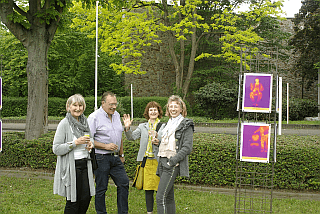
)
(255, 142)
(257, 92)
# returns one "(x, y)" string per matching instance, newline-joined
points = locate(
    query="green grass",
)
(195, 119)
(33, 195)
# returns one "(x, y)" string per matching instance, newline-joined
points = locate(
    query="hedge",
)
(212, 161)
(17, 106)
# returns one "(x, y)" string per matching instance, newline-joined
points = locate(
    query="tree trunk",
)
(37, 73)
(171, 42)
(193, 53)
(37, 39)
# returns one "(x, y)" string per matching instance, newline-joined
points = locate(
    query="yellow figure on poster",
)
(264, 132)
(256, 91)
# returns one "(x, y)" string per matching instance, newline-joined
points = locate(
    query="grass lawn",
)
(33, 195)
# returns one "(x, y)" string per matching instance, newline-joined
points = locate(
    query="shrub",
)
(217, 101)
(212, 161)
(17, 106)
(299, 108)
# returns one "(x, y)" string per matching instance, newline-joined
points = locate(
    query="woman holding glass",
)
(176, 144)
(72, 143)
(148, 148)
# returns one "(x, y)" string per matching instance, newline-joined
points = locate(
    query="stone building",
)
(295, 85)
(160, 77)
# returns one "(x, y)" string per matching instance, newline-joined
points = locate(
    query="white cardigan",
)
(65, 174)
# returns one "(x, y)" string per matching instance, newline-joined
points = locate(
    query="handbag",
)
(94, 162)
(139, 175)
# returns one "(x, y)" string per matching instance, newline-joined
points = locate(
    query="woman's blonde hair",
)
(177, 99)
(76, 98)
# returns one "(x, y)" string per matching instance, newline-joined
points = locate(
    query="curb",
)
(136, 123)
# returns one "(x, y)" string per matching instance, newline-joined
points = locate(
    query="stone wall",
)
(160, 77)
(287, 72)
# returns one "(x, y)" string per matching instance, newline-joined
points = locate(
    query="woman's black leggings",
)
(149, 200)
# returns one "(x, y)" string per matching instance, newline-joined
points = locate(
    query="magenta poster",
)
(257, 93)
(255, 142)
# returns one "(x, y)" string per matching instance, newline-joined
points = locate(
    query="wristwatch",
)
(122, 155)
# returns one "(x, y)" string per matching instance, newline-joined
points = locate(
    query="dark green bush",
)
(17, 106)
(217, 101)
(14, 106)
(299, 108)
(212, 161)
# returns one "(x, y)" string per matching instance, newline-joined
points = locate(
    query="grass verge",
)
(33, 195)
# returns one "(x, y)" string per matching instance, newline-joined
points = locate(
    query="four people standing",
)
(164, 148)
(73, 177)
(148, 150)
(106, 129)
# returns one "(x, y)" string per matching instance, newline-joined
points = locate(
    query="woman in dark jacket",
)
(176, 144)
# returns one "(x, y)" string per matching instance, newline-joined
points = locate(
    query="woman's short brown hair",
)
(152, 104)
(176, 98)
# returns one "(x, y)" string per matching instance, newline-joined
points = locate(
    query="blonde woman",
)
(176, 144)
(73, 177)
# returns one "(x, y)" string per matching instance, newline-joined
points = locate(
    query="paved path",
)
(40, 174)
(214, 130)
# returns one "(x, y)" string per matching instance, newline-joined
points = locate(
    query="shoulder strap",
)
(158, 126)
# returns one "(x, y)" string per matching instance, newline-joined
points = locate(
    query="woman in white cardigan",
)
(148, 150)
(73, 177)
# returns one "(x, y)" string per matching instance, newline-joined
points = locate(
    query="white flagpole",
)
(96, 62)
(280, 106)
(287, 103)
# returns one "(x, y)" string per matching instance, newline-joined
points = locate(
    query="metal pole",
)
(287, 103)
(96, 62)
(131, 103)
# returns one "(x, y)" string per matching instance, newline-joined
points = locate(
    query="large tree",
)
(34, 24)
(306, 42)
(186, 25)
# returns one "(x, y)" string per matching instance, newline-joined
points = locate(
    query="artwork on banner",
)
(255, 142)
(257, 93)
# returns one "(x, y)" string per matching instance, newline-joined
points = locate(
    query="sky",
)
(291, 7)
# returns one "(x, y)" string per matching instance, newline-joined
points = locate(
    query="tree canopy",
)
(306, 41)
(34, 24)
(128, 31)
